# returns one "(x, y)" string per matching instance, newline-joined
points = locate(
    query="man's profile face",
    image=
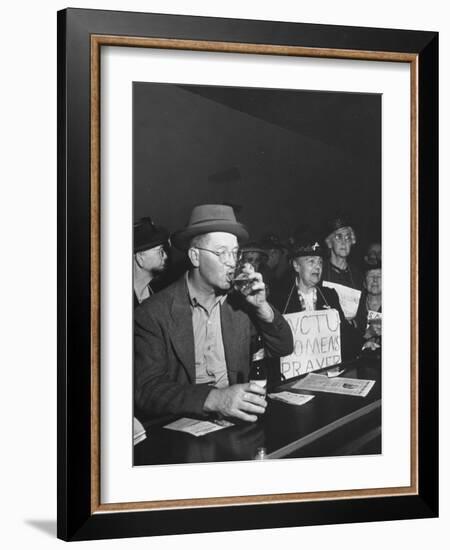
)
(373, 281)
(341, 241)
(309, 269)
(273, 259)
(213, 272)
(254, 258)
(153, 260)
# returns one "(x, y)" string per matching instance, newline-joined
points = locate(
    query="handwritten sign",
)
(317, 342)
(373, 315)
(374, 319)
(348, 298)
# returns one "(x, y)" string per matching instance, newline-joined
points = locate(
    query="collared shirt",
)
(147, 291)
(210, 364)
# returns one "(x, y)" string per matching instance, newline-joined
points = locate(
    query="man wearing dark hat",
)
(306, 293)
(339, 238)
(192, 339)
(253, 254)
(150, 257)
(277, 275)
(276, 250)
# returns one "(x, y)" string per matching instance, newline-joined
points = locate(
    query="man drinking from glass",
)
(192, 340)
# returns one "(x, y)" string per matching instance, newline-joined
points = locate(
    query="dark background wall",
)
(284, 158)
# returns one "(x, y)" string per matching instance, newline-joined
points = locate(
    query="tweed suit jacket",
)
(164, 363)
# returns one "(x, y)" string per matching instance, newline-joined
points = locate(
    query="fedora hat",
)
(147, 235)
(254, 246)
(207, 218)
(272, 241)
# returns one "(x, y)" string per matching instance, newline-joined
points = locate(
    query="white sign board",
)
(348, 298)
(317, 342)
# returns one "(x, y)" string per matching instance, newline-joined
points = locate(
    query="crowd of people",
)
(193, 337)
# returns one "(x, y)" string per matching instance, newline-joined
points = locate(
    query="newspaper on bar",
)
(139, 433)
(291, 398)
(348, 298)
(197, 428)
(343, 386)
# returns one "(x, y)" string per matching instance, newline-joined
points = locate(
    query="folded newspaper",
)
(348, 298)
(344, 386)
(291, 398)
(139, 433)
(198, 427)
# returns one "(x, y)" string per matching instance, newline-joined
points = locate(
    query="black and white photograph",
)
(257, 273)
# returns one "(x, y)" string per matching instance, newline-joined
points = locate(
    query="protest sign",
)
(373, 316)
(374, 320)
(348, 298)
(317, 342)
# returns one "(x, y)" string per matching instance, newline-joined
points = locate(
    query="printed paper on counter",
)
(139, 433)
(291, 398)
(197, 428)
(344, 386)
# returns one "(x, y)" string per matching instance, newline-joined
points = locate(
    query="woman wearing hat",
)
(339, 238)
(307, 294)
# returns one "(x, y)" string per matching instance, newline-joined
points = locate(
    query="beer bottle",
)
(258, 367)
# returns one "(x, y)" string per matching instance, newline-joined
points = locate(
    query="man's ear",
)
(194, 256)
(138, 259)
(328, 242)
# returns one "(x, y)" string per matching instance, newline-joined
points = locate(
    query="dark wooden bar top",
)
(328, 425)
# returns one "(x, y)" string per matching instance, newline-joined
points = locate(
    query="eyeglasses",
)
(340, 237)
(161, 250)
(224, 255)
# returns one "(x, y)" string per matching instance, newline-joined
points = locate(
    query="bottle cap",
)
(260, 453)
